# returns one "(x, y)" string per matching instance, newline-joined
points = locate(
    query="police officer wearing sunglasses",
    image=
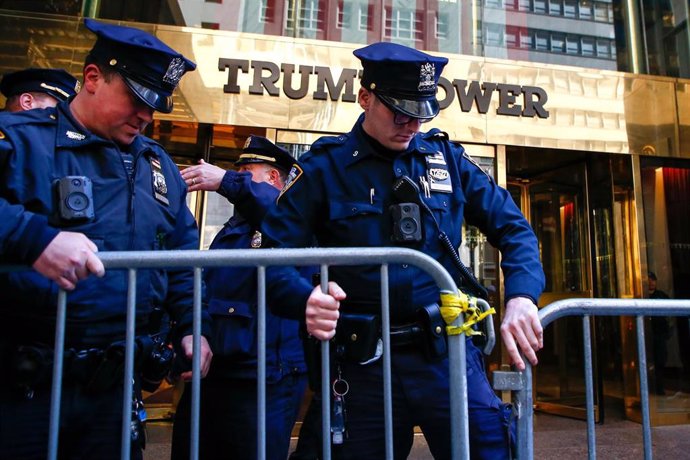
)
(352, 192)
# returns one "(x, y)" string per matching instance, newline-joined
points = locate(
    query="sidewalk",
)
(557, 438)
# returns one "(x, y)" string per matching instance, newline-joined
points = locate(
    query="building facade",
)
(580, 108)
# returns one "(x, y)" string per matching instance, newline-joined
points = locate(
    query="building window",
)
(540, 6)
(511, 37)
(558, 43)
(586, 9)
(266, 12)
(604, 49)
(494, 3)
(210, 25)
(442, 26)
(556, 8)
(344, 16)
(572, 45)
(541, 40)
(570, 9)
(588, 46)
(526, 39)
(525, 5)
(602, 12)
(310, 17)
(403, 23)
(494, 35)
(365, 15)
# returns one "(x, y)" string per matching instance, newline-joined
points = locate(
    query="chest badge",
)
(160, 188)
(438, 178)
(256, 240)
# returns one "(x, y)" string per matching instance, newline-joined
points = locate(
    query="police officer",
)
(74, 180)
(345, 197)
(229, 393)
(36, 88)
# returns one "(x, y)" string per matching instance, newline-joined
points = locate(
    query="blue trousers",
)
(421, 398)
(90, 424)
(228, 418)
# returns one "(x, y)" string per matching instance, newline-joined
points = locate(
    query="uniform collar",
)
(418, 145)
(70, 133)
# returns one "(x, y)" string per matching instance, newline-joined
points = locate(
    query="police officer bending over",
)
(37, 88)
(229, 393)
(357, 190)
(74, 180)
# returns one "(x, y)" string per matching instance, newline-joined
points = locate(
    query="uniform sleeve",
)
(251, 199)
(179, 300)
(492, 209)
(291, 224)
(23, 234)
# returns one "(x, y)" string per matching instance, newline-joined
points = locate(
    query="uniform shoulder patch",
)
(293, 176)
(467, 157)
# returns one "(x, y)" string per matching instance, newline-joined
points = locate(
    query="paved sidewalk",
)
(557, 438)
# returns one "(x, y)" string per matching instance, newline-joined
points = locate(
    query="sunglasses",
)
(401, 118)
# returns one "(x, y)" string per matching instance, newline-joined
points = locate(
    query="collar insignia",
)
(75, 136)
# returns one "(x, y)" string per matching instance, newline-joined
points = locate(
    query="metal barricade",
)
(520, 383)
(323, 257)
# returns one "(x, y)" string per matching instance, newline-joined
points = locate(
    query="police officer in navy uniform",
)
(36, 88)
(229, 393)
(344, 197)
(74, 180)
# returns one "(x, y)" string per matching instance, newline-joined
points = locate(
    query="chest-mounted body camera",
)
(75, 198)
(407, 221)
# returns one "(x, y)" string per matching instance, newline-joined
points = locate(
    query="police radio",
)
(75, 198)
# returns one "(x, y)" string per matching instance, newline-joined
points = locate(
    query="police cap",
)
(258, 149)
(148, 66)
(55, 82)
(404, 78)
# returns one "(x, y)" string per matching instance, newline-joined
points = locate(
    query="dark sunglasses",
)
(401, 118)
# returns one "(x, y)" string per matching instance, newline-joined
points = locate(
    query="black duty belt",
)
(407, 334)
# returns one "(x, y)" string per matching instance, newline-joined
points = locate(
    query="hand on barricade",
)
(206, 356)
(521, 328)
(68, 258)
(321, 314)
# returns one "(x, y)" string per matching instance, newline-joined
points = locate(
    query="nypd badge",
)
(160, 188)
(427, 71)
(256, 240)
(176, 69)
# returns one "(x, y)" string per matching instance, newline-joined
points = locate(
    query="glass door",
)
(555, 202)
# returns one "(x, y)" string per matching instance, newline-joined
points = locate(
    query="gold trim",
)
(257, 157)
(55, 88)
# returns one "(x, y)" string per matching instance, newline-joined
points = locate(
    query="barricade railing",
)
(520, 383)
(322, 257)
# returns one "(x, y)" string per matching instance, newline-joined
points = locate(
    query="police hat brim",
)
(151, 98)
(427, 108)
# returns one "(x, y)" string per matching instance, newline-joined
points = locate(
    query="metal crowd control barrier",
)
(323, 257)
(521, 382)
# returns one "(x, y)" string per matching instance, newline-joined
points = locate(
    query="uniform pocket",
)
(234, 328)
(357, 222)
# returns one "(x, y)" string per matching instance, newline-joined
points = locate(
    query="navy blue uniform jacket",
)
(232, 293)
(343, 198)
(39, 147)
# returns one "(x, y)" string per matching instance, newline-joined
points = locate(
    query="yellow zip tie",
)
(452, 305)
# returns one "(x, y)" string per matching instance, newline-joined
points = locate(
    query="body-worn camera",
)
(407, 223)
(75, 198)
